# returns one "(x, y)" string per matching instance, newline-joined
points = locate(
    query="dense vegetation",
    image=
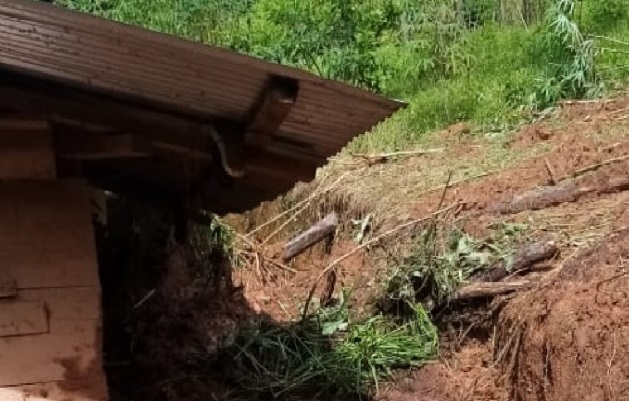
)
(478, 60)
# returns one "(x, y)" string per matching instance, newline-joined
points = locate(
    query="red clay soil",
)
(567, 339)
(573, 152)
(466, 376)
(570, 340)
(280, 295)
(573, 148)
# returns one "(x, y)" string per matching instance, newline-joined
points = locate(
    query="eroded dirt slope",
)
(567, 337)
(562, 337)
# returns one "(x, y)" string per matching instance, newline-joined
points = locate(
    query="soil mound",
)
(570, 339)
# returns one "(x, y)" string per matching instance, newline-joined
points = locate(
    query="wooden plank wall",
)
(26, 148)
(50, 323)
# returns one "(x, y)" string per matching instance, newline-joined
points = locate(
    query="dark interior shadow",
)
(171, 315)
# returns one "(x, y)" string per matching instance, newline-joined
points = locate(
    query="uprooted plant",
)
(442, 259)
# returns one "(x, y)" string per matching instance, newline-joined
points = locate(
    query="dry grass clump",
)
(357, 188)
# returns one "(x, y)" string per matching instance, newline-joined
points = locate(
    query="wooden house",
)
(88, 104)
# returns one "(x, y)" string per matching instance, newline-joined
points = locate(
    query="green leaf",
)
(329, 328)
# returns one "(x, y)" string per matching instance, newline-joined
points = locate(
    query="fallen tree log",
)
(324, 228)
(570, 190)
(488, 290)
(541, 198)
(523, 259)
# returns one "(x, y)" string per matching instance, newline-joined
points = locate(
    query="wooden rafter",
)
(77, 144)
(274, 105)
(99, 131)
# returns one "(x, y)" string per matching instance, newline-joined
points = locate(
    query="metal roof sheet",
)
(188, 78)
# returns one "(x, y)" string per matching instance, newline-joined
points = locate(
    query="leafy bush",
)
(333, 39)
(479, 12)
(569, 57)
(206, 21)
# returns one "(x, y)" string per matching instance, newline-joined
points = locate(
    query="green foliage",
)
(372, 349)
(309, 358)
(569, 57)
(491, 92)
(479, 12)
(206, 21)
(614, 59)
(452, 59)
(441, 261)
(427, 46)
(333, 39)
(510, 70)
(601, 16)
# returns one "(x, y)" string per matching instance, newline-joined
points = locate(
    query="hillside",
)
(527, 301)
(482, 230)
(567, 189)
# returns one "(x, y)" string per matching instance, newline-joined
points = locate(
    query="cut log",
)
(565, 191)
(541, 198)
(524, 258)
(615, 184)
(488, 290)
(311, 236)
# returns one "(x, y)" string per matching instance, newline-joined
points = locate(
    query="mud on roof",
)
(175, 116)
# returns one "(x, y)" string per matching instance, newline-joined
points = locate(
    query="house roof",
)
(189, 103)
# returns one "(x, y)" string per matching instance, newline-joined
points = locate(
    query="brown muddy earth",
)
(566, 337)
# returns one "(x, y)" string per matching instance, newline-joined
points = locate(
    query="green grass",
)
(493, 94)
(329, 355)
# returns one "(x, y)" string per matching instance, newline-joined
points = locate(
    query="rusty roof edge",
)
(217, 52)
(339, 86)
(42, 80)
